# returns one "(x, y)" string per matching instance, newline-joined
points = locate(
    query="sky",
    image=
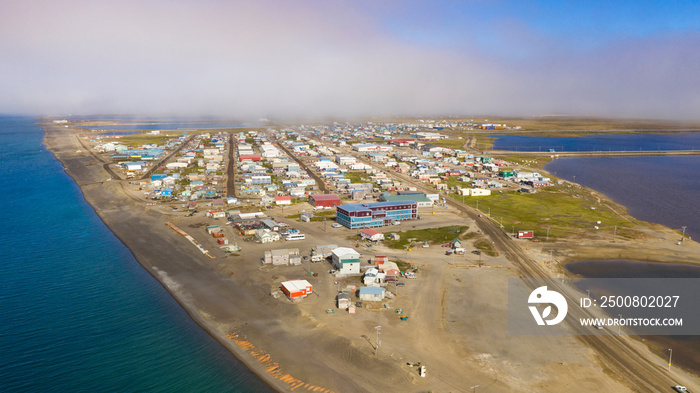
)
(305, 58)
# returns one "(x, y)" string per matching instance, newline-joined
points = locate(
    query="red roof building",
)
(250, 157)
(325, 200)
(283, 200)
(402, 142)
(371, 234)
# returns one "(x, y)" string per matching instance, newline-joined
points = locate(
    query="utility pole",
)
(477, 204)
(670, 352)
(614, 233)
(547, 232)
(683, 236)
(473, 388)
(376, 348)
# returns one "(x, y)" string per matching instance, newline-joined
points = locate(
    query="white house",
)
(346, 261)
(266, 236)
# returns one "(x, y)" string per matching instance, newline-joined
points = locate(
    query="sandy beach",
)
(458, 312)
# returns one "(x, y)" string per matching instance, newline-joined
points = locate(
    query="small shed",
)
(344, 301)
(526, 234)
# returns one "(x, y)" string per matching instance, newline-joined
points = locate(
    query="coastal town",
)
(385, 243)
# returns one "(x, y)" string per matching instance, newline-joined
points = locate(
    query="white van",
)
(295, 236)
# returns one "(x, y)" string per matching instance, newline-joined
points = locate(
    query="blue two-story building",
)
(368, 215)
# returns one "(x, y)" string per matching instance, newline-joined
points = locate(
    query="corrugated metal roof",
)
(371, 290)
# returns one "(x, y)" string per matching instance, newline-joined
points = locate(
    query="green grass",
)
(453, 182)
(486, 247)
(431, 235)
(357, 177)
(326, 213)
(566, 210)
(484, 142)
(451, 143)
(142, 139)
(531, 162)
(589, 124)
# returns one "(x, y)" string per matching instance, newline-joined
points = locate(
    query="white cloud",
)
(253, 59)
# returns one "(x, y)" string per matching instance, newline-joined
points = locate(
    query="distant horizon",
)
(388, 118)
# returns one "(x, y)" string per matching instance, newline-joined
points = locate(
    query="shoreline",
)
(189, 308)
(199, 303)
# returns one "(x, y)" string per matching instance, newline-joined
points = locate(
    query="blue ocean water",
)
(607, 142)
(77, 312)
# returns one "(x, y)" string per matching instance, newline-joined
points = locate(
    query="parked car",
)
(476, 252)
(336, 225)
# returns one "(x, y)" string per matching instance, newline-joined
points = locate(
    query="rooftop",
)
(325, 197)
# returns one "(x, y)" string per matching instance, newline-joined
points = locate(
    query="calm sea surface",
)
(77, 312)
(608, 142)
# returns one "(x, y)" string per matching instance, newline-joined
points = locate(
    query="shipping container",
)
(526, 234)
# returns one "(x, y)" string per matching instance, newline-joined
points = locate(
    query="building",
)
(260, 179)
(250, 157)
(266, 236)
(296, 289)
(283, 200)
(479, 192)
(271, 225)
(285, 256)
(390, 269)
(373, 277)
(324, 200)
(372, 294)
(371, 147)
(368, 215)
(526, 234)
(371, 234)
(420, 198)
(346, 261)
(344, 301)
